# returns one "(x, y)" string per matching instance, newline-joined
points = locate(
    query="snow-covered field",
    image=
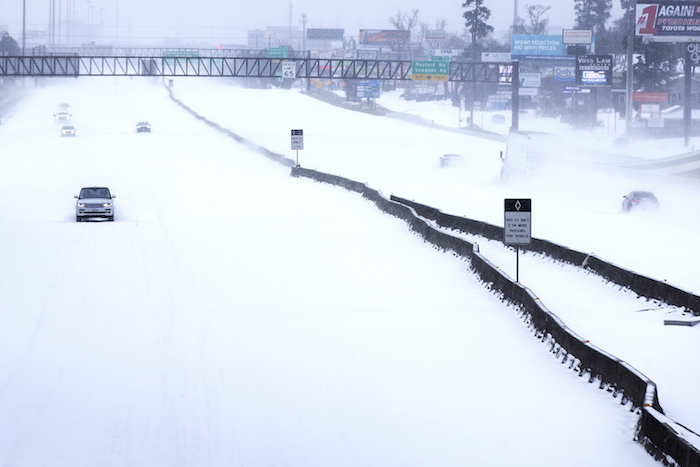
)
(232, 315)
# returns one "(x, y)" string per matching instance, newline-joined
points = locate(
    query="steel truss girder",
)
(244, 67)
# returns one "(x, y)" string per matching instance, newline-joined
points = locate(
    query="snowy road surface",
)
(232, 315)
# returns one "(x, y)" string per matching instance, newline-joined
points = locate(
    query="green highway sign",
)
(278, 52)
(430, 70)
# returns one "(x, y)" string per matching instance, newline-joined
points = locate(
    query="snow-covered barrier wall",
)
(642, 285)
(662, 437)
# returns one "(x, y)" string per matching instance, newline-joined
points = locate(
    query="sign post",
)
(517, 227)
(297, 142)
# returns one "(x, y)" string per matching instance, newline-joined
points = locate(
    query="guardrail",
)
(659, 435)
(638, 283)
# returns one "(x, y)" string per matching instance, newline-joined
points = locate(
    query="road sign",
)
(278, 52)
(430, 70)
(289, 70)
(297, 139)
(517, 225)
(370, 88)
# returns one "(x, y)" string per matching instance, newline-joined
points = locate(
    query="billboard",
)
(594, 70)
(381, 37)
(668, 21)
(537, 47)
(325, 34)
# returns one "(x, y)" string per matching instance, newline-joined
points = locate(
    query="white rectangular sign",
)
(530, 80)
(517, 225)
(577, 36)
(495, 57)
(289, 69)
(297, 139)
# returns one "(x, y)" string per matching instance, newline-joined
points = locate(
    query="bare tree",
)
(536, 24)
(404, 21)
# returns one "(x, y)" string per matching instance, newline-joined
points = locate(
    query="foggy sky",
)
(152, 21)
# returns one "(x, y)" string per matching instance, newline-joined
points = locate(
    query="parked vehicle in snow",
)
(451, 160)
(94, 202)
(639, 199)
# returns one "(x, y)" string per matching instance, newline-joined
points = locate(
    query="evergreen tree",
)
(476, 17)
(8, 46)
(592, 14)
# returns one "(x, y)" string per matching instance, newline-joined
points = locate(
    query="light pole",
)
(630, 66)
(24, 24)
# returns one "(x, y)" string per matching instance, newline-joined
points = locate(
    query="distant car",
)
(62, 116)
(64, 106)
(143, 126)
(451, 160)
(67, 130)
(639, 199)
(94, 202)
(498, 118)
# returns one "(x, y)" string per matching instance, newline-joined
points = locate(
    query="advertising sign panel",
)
(367, 54)
(649, 97)
(528, 47)
(383, 37)
(666, 21)
(594, 70)
(577, 36)
(495, 57)
(692, 53)
(530, 80)
(564, 74)
(325, 34)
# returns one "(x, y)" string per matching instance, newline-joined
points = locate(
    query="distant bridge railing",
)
(244, 67)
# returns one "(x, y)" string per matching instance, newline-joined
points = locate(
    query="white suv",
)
(94, 201)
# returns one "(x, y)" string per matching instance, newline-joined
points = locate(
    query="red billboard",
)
(381, 37)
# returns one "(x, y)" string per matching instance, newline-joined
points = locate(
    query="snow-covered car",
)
(68, 130)
(62, 116)
(451, 160)
(498, 118)
(143, 126)
(639, 199)
(94, 202)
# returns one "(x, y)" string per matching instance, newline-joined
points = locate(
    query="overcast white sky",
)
(228, 22)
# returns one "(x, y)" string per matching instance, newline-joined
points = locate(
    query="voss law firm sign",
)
(668, 21)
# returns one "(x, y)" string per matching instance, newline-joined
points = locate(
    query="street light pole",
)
(630, 66)
(24, 24)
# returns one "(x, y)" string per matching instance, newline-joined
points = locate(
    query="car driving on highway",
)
(62, 116)
(67, 130)
(143, 126)
(94, 202)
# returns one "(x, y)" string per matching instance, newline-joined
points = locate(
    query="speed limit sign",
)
(289, 69)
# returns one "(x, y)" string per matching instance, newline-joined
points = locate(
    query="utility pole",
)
(290, 23)
(24, 24)
(630, 66)
(303, 39)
